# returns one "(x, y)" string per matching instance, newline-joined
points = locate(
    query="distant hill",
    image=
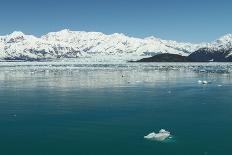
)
(211, 55)
(166, 57)
(203, 55)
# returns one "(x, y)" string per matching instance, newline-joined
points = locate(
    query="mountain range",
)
(101, 47)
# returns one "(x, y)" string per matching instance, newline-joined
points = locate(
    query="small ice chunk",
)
(161, 136)
(204, 82)
(202, 70)
(212, 60)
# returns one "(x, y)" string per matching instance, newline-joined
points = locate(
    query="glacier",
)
(95, 46)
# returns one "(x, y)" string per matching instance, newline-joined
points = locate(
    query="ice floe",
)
(161, 136)
(204, 82)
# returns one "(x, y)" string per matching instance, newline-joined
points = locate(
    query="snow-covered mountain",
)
(94, 45)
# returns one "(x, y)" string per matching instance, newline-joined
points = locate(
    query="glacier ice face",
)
(94, 45)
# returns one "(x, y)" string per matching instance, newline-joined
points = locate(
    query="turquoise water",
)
(107, 111)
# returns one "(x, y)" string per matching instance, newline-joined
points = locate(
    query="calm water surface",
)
(106, 111)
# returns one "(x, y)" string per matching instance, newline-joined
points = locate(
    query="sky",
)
(181, 20)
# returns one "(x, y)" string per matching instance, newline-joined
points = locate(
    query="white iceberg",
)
(161, 136)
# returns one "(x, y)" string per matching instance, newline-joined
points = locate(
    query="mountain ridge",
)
(96, 45)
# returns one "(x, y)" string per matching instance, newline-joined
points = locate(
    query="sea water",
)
(106, 109)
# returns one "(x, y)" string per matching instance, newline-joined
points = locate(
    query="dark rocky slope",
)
(166, 57)
(201, 55)
(210, 55)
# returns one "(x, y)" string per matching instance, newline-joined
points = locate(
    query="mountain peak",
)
(225, 38)
(152, 38)
(14, 37)
(16, 34)
(65, 31)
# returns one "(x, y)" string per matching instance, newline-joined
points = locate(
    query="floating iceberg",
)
(161, 136)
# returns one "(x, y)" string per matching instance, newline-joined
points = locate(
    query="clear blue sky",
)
(181, 20)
